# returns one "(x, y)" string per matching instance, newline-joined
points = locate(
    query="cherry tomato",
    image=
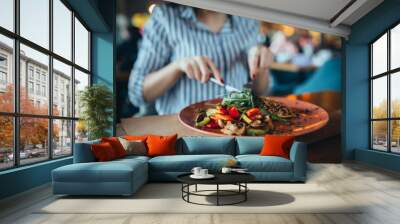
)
(212, 124)
(233, 112)
(253, 112)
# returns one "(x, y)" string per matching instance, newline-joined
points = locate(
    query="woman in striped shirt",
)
(183, 47)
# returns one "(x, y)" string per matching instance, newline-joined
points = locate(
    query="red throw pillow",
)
(135, 137)
(276, 145)
(116, 145)
(161, 145)
(103, 152)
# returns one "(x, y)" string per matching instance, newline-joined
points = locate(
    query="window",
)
(62, 137)
(385, 92)
(44, 91)
(62, 30)
(34, 22)
(3, 71)
(30, 72)
(3, 78)
(6, 142)
(7, 14)
(30, 87)
(38, 74)
(81, 81)
(81, 45)
(6, 69)
(37, 89)
(63, 74)
(3, 81)
(3, 61)
(34, 127)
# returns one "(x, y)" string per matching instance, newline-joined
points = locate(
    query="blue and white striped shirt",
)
(173, 33)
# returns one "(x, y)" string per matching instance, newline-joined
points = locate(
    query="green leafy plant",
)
(96, 103)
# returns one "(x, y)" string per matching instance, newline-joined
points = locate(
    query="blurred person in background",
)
(183, 47)
(127, 51)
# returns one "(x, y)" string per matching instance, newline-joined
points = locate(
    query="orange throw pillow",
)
(135, 137)
(275, 145)
(116, 145)
(161, 145)
(103, 152)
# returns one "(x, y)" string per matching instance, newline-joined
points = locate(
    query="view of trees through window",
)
(41, 81)
(385, 91)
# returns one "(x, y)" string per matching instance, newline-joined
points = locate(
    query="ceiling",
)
(321, 9)
(327, 16)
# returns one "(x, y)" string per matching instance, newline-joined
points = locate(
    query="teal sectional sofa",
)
(125, 176)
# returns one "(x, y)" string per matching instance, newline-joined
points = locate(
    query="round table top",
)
(220, 178)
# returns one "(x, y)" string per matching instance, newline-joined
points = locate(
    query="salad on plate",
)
(242, 113)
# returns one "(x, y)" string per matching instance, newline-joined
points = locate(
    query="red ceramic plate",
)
(313, 118)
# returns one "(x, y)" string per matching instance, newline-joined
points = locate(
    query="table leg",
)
(195, 188)
(188, 190)
(217, 194)
(245, 193)
(182, 190)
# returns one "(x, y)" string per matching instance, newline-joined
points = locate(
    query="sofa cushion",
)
(206, 145)
(103, 152)
(116, 145)
(249, 145)
(112, 171)
(159, 145)
(257, 163)
(185, 163)
(277, 145)
(134, 147)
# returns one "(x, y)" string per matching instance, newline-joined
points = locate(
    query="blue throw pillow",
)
(249, 145)
(207, 145)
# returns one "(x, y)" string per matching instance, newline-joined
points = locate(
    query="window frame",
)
(388, 74)
(16, 114)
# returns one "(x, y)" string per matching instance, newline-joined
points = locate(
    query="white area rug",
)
(166, 198)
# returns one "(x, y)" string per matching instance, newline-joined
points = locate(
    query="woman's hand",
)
(158, 82)
(259, 59)
(200, 68)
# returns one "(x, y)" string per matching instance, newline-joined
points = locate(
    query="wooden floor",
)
(378, 189)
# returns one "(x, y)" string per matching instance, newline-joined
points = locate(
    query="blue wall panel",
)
(357, 100)
(24, 178)
(377, 158)
(103, 66)
(357, 85)
(103, 52)
(89, 11)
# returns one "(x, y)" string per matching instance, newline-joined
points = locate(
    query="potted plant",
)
(96, 104)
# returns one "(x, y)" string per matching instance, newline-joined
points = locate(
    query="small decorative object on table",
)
(230, 166)
(200, 173)
(226, 170)
(231, 163)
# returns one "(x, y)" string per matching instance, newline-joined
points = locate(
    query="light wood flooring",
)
(378, 189)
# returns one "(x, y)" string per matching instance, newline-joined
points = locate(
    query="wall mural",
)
(197, 72)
